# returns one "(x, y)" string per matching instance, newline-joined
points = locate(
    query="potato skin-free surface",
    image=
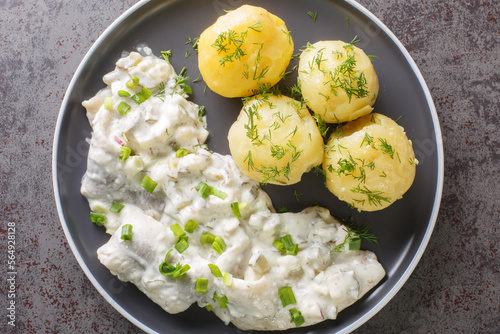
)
(369, 163)
(338, 81)
(275, 140)
(242, 49)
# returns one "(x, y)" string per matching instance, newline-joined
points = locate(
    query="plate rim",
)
(431, 222)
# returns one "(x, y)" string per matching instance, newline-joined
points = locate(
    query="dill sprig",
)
(312, 15)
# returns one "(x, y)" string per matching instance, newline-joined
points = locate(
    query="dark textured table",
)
(454, 289)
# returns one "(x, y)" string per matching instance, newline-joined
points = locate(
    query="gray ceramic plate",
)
(403, 229)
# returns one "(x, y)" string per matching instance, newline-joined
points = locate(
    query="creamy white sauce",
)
(323, 282)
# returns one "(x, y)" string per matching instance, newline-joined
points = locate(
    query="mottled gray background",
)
(454, 289)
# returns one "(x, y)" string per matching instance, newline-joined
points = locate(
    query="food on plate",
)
(337, 80)
(243, 50)
(275, 140)
(369, 163)
(188, 227)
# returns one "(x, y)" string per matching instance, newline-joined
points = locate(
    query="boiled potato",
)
(244, 49)
(275, 140)
(369, 163)
(338, 81)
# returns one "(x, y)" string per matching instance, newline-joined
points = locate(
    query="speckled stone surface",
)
(455, 287)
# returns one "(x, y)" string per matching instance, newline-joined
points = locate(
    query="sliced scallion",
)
(125, 153)
(207, 238)
(215, 270)
(181, 246)
(209, 307)
(116, 207)
(142, 96)
(201, 285)
(148, 184)
(98, 218)
(236, 209)
(126, 232)
(355, 244)
(227, 279)
(178, 231)
(204, 190)
(108, 103)
(286, 295)
(296, 317)
(191, 226)
(123, 93)
(123, 108)
(181, 152)
(218, 245)
(222, 300)
(132, 83)
(279, 246)
(180, 270)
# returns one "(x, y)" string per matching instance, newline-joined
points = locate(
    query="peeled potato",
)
(369, 163)
(338, 81)
(275, 140)
(242, 50)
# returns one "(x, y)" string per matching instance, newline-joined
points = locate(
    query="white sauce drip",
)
(323, 283)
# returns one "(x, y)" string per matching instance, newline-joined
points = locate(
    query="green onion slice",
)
(222, 300)
(286, 295)
(180, 270)
(227, 279)
(204, 190)
(178, 231)
(201, 285)
(142, 96)
(116, 207)
(236, 209)
(191, 226)
(98, 218)
(207, 238)
(209, 307)
(126, 232)
(148, 184)
(355, 244)
(296, 317)
(108, 103)
(125, 153)
(181, 246)
(123, 93)
(123, 108)
(132, 83)
(218, 245)
(215, 270)
(279, 246)
(182, 152)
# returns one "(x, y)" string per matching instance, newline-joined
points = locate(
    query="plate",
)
(403, 229)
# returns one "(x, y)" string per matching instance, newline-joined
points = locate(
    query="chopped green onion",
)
(204, 190)
(125, 153)
(126, 232)
(123, 108)
(222, 300)
(178, 231)
(227, 280)
(292, 250)
(215, 270)
(116, 207)
(180, 270)
(191, 226)
(201, 285)
(218, 245)
(148, 184)
(165, 267)
(108, 103)
(236, 209)
(279, 246)
(207, 238)
(183, 237)
(181, 246)
(181, 153)
(123, 93)
(296, 317)
(286, 295)
(287, 241)
(98, 218)
(209, 307)
(355, 244)
(142, 96)
(132, 83)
